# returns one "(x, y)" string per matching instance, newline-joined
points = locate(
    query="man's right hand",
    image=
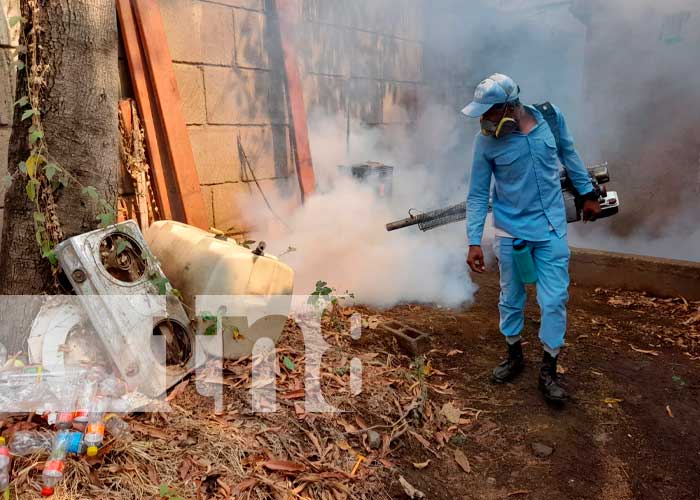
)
(475, 259)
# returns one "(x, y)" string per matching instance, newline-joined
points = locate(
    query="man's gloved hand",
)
(475, 259)
(591, 210)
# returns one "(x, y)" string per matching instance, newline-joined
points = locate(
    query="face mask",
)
(503, 128)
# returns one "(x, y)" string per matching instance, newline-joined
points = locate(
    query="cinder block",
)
(219, 160)
(246, 4)
(268, 152)
(243, 96)
(215, 153)
(369, 15)
(207, 193)
(324, 95)
(324, 50)
(229, 201)
(400, 18)
(402, 60)
(184, 40)
(251, 42)
(337, 12)
(399, 103)
(366, 55)
(199, 32)
(411, 340)
(412, 17)
(366, 100)
(190, 82)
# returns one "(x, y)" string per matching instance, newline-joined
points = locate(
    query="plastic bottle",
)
(64, 420)
(75, 443)
(29, 442)
(87, 394)
(117, 427)
(524, 263)
(112, 387)
(95, 431)
(25, 443)
(55, 465)
(4, 466)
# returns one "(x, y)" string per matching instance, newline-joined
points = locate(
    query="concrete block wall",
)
(362, 56)
(8, 40)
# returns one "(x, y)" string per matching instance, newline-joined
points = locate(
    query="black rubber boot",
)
(511, 367)
(549, 380)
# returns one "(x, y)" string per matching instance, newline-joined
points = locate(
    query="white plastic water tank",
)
(197, 263)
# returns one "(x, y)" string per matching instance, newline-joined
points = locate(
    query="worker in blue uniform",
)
(518, 149)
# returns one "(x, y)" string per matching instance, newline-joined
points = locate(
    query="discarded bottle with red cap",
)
(55, 465)
(95, 430)
(4, 466)
(64, 420)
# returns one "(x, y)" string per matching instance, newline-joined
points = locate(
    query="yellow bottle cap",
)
(92, 451)
(2, 440)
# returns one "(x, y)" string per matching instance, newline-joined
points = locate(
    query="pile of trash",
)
(77, 411)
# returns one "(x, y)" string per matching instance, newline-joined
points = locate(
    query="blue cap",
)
(496, 89)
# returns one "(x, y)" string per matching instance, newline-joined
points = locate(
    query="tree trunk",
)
(79, 115)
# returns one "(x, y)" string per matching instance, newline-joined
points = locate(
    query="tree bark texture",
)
(79, 115)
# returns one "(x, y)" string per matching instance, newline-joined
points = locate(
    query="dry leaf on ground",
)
(451, 413)
(462, 461)
(284, 466)
(410, 490)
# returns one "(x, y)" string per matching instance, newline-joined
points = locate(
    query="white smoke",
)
(339, 233)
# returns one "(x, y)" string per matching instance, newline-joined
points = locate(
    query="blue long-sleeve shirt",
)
(527, 197)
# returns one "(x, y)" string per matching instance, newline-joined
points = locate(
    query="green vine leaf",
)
(90, 192)
(29, 113)
(22, 101)
(32, 187)
(106, 220)
(105, 207)
(35, 136)
(22, 167)
(51, 256)
(289, 364)
(39, 218)
(161, 283)
(50, 170)
(207, 316)
(64, 179)
(122, 245)
(20, 65)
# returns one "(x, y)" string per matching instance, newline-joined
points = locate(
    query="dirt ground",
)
(643, 443)
(630, 432)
